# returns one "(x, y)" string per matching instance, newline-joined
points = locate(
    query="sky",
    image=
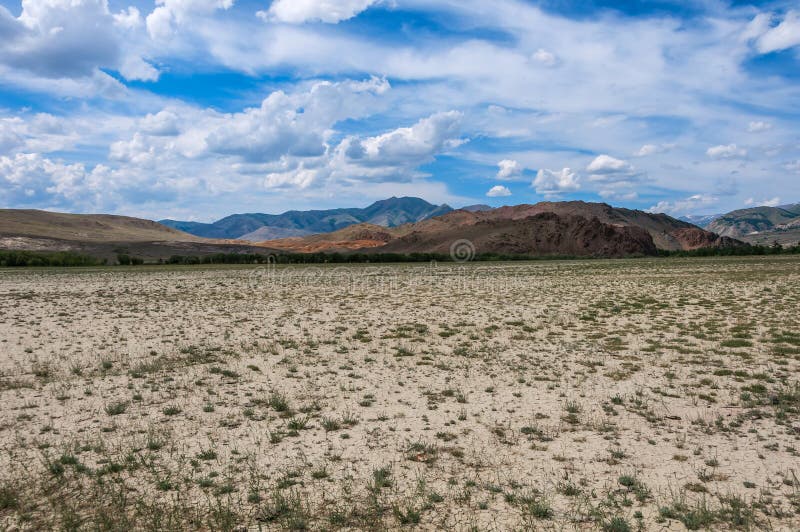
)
(196, 109)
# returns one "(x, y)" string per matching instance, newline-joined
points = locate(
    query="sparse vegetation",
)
(610, 395)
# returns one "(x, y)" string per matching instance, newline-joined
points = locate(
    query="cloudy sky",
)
(195, 109)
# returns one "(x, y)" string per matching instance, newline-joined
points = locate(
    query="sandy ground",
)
(619, 395)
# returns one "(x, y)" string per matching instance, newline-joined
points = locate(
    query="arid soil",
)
(637, 394)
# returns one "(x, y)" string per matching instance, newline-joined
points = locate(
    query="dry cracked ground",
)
(646, 394)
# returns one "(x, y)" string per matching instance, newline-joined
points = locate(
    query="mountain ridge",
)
(547, 227)
(390, 212)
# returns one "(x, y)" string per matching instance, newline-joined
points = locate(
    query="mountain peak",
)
(389, 212)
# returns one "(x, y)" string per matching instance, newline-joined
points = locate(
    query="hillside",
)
(105, 236)
(256, 227)
(760, 224)
(555, 228)
(85, 227)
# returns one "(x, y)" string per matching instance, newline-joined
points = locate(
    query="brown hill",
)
(105, 236)
(546, 233)
(86, 227)
(572, 228)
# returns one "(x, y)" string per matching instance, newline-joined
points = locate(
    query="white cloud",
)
(616, 73)
(615, 178)
(415, 144)
(29, 177)
(300, 11)
(605, 164)
(129, 18)
(652, 149)
(38, 133)
(298, 178)
(55, 39)
(165, 19)
(647, 149)
(551, 183)
(758, 126)
(164, 123)
(296, 124)
(773, 202)
(728, 151)
(509, 169)
(544, 57)
(287, 145)
(498, 191)
(692, 205)
(769, 38)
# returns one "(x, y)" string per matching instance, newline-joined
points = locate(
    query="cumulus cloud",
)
(605, 164)
(727, 151)
(509, 169)
(613, 177)
(164, 20)
(415, 144)
(286, 124)
(300, 11)
(289, 142)
(128, 18)
(692, 205)
(554, 183)
(40, 133)
(164, 123)
(773, 38)
(498, 191)
(70, 39)
(29, 178)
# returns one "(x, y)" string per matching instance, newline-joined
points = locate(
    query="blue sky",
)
(195, 109)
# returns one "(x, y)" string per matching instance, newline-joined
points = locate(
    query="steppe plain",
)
(652, 394)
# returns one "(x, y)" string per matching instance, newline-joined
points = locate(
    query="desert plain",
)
(635, 394)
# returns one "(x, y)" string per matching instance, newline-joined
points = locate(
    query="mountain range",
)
(256, 227)
(401, 225)
(548, 228)
(756, 225)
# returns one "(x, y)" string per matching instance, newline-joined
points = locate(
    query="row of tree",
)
(57, 258)
(67, 259)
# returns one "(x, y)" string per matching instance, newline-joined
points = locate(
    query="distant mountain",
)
(549, 228)
(744, 222)
(255, 227)
(761, 225)
(476, 208)
(700, 220)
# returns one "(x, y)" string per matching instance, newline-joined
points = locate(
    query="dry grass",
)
(619, 395)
